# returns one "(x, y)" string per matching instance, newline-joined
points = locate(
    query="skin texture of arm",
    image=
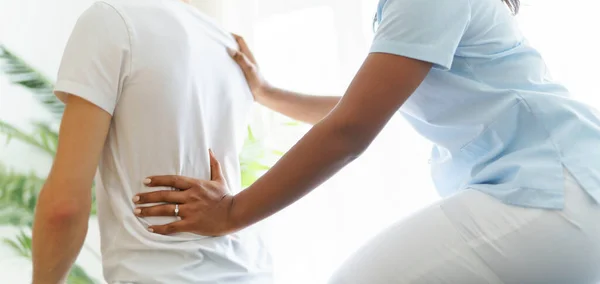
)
(63, 209)
(382, 85)
(306, 108)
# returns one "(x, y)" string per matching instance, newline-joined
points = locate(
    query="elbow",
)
(60, 213)
(353, 138)
(355, 150)
(66, 213)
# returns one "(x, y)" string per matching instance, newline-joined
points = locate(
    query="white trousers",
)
(472, 238)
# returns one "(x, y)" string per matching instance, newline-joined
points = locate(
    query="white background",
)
(312, 46)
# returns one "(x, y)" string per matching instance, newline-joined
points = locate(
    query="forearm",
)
(59, 231)
(319, 155)
(306, 108)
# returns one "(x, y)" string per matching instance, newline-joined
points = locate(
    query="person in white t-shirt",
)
(149, 89)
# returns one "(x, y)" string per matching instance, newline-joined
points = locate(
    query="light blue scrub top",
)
(499, 122)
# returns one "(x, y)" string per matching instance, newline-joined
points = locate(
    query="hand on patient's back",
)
(245, 59)
(204, 206)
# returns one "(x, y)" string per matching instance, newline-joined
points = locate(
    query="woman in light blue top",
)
(515, 158)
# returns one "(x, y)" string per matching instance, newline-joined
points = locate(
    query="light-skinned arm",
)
(63, 209)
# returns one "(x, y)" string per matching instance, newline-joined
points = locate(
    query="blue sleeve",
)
(426, 30)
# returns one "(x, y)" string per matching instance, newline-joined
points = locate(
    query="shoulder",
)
(103, 16)
(103, 24)
(128, 8)
(104, 8)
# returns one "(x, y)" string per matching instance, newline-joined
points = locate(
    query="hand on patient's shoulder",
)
(245, 59)
(202, 205)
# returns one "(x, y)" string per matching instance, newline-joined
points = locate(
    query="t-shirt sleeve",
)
(426, 30)
(96, 59)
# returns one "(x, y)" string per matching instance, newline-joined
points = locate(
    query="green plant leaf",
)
(15, 217)
(8, 138)
(17, 248)
(251, 137)
(255, 159)
(21, 73)
(79, 276)
(18, 196)
(47, 136)
(22, 244)
(30, 139)
(292, 123)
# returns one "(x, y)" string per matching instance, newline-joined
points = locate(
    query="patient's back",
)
(179, 95)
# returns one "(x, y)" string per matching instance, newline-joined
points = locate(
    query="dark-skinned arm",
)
(206, 207)
(309, 109)
(381, 86)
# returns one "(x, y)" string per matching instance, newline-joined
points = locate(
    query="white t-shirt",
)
(161, 68)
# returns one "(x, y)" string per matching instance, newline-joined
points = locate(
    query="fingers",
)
(169, 229)
(166, 196)
(178, 182)
(165, 210)
(244, 48)
(216, 173)
(243, 62)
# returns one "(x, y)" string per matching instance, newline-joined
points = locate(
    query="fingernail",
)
(136, 198)
(137, 211)
(147, 181)
(211, 152)
(231, 51)
(150, 230)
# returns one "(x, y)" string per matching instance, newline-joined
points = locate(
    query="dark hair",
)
(513, 5)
